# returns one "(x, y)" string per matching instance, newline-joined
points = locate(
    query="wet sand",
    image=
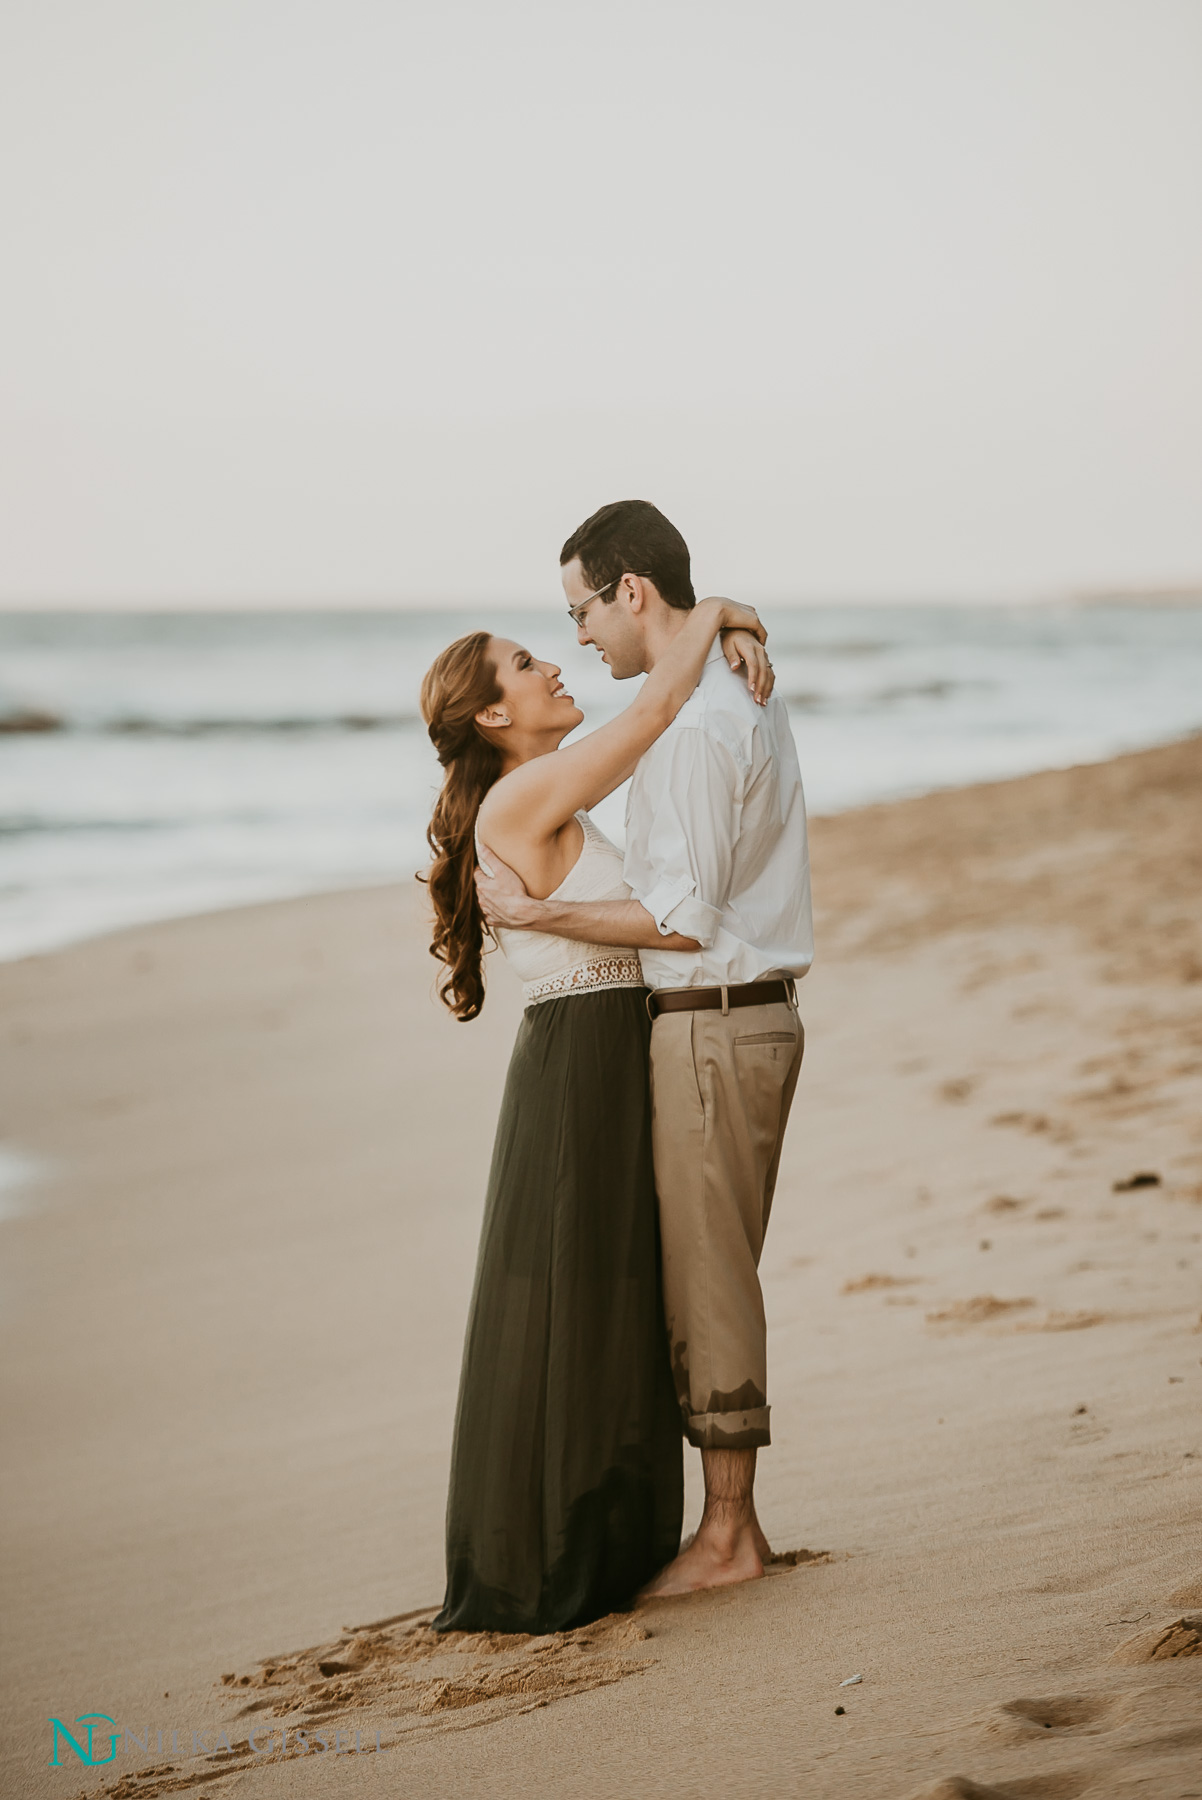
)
(233, 1302)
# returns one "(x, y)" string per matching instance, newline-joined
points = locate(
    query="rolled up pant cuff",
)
(729, 1430)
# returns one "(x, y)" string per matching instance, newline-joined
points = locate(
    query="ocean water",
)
(159, 764)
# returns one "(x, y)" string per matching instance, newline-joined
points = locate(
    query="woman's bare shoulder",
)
(503, 799)
(507, 818)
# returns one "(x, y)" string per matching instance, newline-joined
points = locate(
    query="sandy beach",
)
(234, 1295)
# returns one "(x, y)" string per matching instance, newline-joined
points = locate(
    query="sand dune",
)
(233, 1302)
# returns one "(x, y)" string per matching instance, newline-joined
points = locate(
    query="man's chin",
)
(618, 670)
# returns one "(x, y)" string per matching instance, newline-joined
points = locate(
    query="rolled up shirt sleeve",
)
(666, 896)
(681, 869)
(694, 919)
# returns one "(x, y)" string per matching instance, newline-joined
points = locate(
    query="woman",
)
(566, 1481)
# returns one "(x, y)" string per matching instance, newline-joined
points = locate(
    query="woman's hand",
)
(742, 650)
(743, 640)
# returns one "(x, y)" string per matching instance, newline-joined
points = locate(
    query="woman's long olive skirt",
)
(566, 1478)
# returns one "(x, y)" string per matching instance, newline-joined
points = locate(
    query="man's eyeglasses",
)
(576, 613)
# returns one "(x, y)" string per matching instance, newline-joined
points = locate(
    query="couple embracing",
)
(617, 1299)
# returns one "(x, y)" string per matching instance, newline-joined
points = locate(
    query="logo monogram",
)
(87, 1720)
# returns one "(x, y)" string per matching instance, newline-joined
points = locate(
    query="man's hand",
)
(503, 896)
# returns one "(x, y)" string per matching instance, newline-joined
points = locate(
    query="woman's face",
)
(533, 697)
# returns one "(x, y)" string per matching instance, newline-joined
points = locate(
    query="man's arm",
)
(682, 869)
(624, 923)
(681, 836)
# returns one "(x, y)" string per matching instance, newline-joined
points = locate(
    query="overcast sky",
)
(362, 302)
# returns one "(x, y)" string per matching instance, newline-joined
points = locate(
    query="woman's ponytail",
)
(460, 682)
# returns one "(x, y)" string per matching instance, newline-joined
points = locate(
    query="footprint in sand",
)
(1037, 1125)
(959, 1089)
(1064, 1321)
(1022, 1721)
(867, 1284)
(977, 1311)
(1080, 1717)
(409, 1680)
(402, 1677)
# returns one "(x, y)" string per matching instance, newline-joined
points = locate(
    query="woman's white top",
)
(550, 966)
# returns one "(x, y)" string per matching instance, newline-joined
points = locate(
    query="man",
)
(717, 861)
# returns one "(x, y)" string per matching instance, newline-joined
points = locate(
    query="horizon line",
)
(1187, 593)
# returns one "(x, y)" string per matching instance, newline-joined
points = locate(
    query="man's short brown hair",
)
(632, 537)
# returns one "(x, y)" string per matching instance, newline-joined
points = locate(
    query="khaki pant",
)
(721, 1088)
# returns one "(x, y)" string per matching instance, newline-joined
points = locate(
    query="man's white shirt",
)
(716, 843)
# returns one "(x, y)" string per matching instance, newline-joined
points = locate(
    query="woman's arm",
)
(535, 801)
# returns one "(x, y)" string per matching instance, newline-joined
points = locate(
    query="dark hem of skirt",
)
(566, 1491)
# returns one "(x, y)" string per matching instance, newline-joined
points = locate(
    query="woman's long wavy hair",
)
(458, 684)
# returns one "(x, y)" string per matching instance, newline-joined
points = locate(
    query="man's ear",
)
(635, 590)
(492, 718)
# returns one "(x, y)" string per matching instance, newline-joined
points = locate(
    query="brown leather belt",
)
(745, 993)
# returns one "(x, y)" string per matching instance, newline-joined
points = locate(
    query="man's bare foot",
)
(714, 1559)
